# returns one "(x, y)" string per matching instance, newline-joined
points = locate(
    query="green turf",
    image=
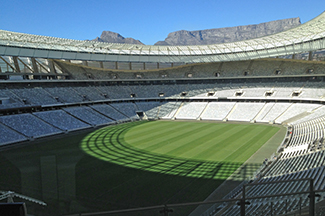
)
(191, 149)
(200, 140)
(102, 169)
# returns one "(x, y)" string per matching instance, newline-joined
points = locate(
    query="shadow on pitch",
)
(107, 144)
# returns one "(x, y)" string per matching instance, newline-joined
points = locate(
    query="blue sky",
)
(146, 20)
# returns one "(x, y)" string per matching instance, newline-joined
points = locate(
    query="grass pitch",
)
(191, 149)
(131, 165)
(200, 140)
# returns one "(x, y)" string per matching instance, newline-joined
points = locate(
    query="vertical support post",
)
(101, 65)
(85, 63)
(311, 198)
(157, 65)
(116, 65)
(166, 211)
(130, 66)
(34, 65)
(144, 66)
(51, 66)
(242, 203)
(310, 55)
(15, 58)
(300, 202)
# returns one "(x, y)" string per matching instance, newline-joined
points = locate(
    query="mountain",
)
(230, 34)
(113, 37)
(210, 36)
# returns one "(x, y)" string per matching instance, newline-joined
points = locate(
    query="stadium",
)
(92, 128)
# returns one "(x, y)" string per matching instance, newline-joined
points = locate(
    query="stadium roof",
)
(309, 36)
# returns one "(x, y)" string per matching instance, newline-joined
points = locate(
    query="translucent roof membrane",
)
(295, 40)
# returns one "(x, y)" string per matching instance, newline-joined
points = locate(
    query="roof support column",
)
(144, 66)
(34, 65)
(49, 177)
(51, 66)
(15, 58)
(101, 65)
(157, 65)
(130, 66)
(310, 56)
(116, 65)
(293, 56)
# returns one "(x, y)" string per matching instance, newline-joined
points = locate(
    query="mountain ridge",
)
(210, 36)
(113, 37)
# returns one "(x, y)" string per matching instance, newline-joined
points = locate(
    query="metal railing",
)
(169, 209)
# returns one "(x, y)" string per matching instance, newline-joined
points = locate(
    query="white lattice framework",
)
(307, 37)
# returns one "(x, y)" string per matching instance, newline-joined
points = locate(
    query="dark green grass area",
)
(112, 187)
(108, 168)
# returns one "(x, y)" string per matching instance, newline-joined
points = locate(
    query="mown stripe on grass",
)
(172, 143)
(196, 145)
(112, 144)
(226, 144)
(251, 145)
(161, 136)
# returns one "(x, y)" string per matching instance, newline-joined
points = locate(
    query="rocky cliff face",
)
(112, 37)
(210, 36)
(231, 34)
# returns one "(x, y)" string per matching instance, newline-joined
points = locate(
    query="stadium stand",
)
(34, 96)
(90, 93)
(13, 100)
(171, 109)
(190, 110)
(114, 92)
(151, 109)
(217, 110)
(69, 107)
(274, 91)
(275, 111)
(29, 125)
(296, 109)
(129, 109)
(245, 111)
(10, 136)
(66, 94)
(110, 112)
(61, 120)
(88, 115)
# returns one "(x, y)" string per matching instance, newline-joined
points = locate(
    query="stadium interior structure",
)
(51, 86)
